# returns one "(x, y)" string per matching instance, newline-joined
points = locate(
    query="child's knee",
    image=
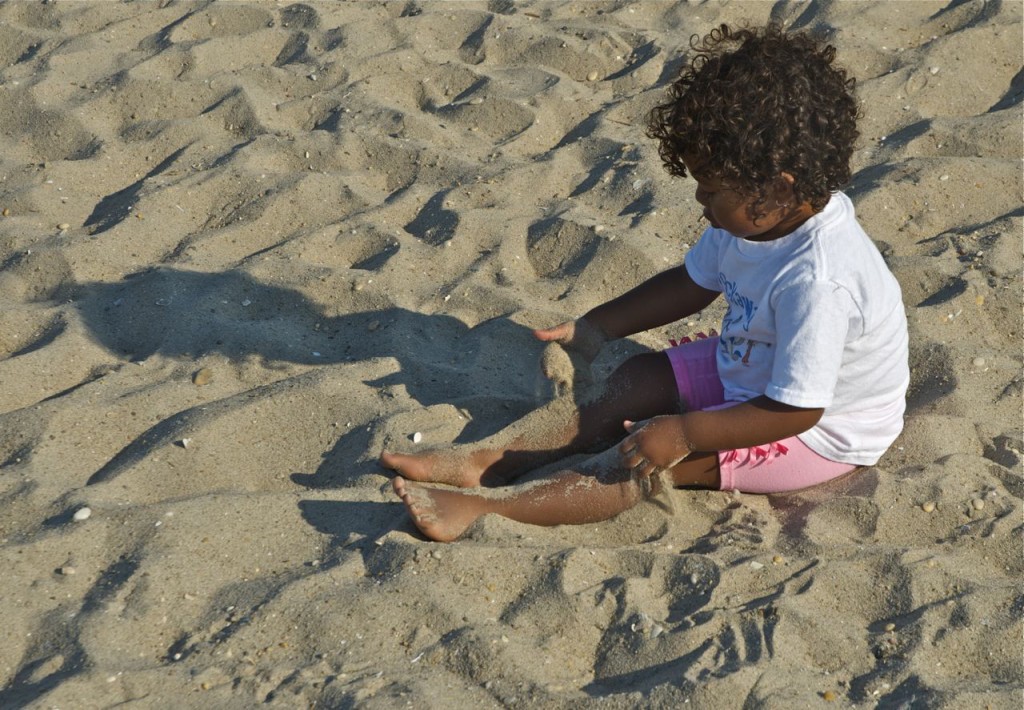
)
(644, 370)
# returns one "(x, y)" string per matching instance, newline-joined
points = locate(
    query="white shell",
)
(82, 514)
(417, 438)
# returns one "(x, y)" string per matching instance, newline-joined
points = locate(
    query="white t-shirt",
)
(815, 319)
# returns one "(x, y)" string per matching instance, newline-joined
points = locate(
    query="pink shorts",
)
(780, 466)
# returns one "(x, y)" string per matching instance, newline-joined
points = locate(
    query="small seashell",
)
(755, 565)
(6, 212)
(592, 76)
(977, 503)
(933, 70)
(828, 696)
(202, 376)
(890, 626)
(642, 624)
(417, 438)
(778, 560)
(657, 630)
(978, 362)
(475, 101)
(694, 578)
(944, 178)
(928, 507)
(63, 225)
(82, 514)
(184, 443)
(67, 570)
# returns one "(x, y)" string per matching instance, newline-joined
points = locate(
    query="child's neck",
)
(789, 223)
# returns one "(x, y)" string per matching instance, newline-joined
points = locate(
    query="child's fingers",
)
(632, 459)
(627, 446)
(645, 468)
(546, 334)
(633, 427)
(560, 332)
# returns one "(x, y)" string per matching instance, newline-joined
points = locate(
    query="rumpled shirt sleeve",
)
(813, 321)
(701, 262)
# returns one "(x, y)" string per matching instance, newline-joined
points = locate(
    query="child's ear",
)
(782, 189)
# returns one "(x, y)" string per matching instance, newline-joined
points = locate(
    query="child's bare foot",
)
(440, 467)
(441, 515)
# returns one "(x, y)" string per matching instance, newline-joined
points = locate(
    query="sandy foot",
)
(439, 467)
(441, 515)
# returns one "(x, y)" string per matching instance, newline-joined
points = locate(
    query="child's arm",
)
(664, 441)
(661, 299)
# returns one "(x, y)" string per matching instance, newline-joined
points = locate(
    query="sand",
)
(245, 246)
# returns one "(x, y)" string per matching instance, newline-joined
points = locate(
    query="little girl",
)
(807, 379)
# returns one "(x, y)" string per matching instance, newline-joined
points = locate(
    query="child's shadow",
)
(185, 315)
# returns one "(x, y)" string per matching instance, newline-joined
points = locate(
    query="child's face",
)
(727, 209)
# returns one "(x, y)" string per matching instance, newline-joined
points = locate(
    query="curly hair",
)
(752, 104)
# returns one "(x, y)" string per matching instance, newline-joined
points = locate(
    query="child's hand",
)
(580, 336)
(561, 333)
(653, 445)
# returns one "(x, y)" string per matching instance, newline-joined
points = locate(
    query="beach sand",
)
(245, 246)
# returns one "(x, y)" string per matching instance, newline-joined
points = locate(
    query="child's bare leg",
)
(698, 470)
(600, 490)
(642, 387)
